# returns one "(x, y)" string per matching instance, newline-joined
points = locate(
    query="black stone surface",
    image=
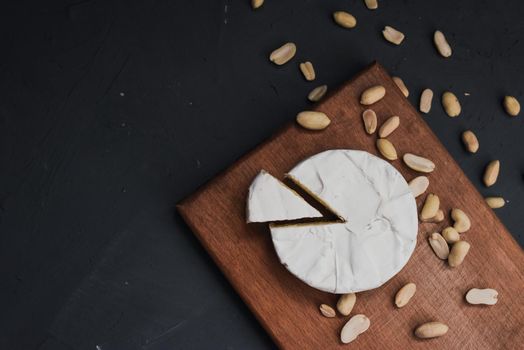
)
(113, 111)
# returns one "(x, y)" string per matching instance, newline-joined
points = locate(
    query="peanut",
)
(405, 294)
(356, 325)
(491, 173)
(312, 120)
(458, 252)
(451, 104)
(387, 149)
(372, 95)
(346, 302)
(431, 330)
(283, 54)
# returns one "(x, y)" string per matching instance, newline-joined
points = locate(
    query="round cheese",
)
(379, 231)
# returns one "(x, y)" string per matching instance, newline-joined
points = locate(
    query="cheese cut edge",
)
(315, 197)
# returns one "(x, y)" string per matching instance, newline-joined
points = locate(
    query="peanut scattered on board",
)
(387, 149)
(431, 207)
(439, 245)
(313, 120)
(419, 185)
(439, 217)
(369, 117)
(327, 311)
(372, 95)
(431, 330)
(450, 235)
(345, 303)
(356, 325)
(400, 84)
(458, 252)
(486, 296)
(390, 125)
(418, 163)
(405, 294)
(461, 219)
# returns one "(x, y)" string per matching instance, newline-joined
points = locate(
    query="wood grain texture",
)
(288, 309)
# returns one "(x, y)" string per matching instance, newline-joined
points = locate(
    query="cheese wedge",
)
(270, 200)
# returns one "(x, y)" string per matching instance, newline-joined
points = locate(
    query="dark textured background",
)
(113, 111)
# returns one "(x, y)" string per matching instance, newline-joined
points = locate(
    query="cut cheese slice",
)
(270, 200)
(379, 231)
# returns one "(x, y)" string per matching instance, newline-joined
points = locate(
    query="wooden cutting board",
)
(288, 309)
